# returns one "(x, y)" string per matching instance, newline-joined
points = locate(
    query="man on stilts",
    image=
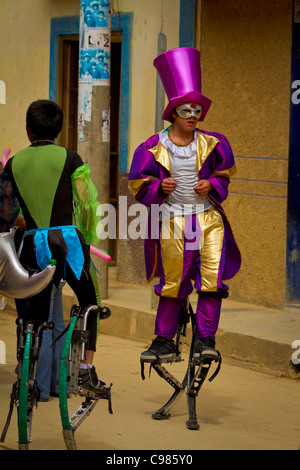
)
(187, 171)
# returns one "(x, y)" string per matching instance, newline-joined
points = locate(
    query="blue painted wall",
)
(187, 23)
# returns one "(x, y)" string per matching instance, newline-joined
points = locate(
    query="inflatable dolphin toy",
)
(14, 279)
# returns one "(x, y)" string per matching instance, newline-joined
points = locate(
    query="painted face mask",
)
(188, 110)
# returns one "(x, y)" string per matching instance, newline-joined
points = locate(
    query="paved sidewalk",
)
(257, 337)
(241, 409)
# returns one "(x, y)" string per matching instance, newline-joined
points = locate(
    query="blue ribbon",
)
(75, 257)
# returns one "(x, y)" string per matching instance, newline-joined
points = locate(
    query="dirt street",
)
(240, 409)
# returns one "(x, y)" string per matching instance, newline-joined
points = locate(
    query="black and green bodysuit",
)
(47, 179)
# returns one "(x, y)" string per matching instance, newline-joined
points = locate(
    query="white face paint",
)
(188, 110)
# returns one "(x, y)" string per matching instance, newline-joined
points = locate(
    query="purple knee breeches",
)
(207, 316)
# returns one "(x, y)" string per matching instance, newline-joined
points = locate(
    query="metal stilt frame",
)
(73, 352)
(194, 377)
(25, 393)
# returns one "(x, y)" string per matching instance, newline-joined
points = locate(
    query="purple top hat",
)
(180, 73)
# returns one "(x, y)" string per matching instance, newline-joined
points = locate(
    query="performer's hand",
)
(20, 222)
(168, 185)
(202, 188)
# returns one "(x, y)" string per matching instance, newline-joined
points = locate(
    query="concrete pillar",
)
(94, 106)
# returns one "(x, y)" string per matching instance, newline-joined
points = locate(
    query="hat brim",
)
(192, 97)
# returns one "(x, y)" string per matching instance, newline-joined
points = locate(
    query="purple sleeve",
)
(144, 176)
(223, 167)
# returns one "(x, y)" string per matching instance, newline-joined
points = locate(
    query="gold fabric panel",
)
(161, 155)
(212, 226)
(210, 247)
(135, 185)
(226, 173)
(205, 145)
(172, 245)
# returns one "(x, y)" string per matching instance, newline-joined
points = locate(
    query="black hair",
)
(44, 119)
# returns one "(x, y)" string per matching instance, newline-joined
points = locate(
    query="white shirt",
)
(184, 200)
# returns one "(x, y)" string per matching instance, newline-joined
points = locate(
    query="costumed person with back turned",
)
(186, 171)
(47, 179)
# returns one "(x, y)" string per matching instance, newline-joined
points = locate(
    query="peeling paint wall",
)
(24, 58)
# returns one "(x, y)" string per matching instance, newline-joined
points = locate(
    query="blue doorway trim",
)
(59, 27)
(123, 22)
(187, 23)
(119, 22)
(293, 206)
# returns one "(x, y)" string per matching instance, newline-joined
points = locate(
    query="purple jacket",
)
(151, 164)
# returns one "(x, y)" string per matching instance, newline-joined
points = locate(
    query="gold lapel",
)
(135, 185)
(205, 145)
(161, 155)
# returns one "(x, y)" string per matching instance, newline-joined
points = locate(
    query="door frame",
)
(69, 25)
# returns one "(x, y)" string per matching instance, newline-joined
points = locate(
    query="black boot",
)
(204, 348)
(161, 348)
(88, 380)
